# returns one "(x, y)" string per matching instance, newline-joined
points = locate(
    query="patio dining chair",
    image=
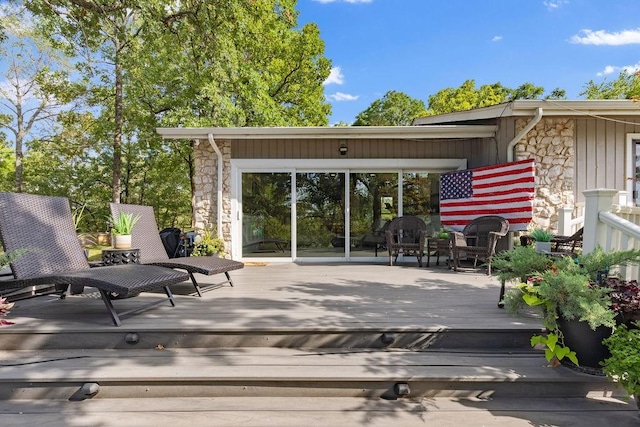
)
(406, 235)
(42, 227)
(145, 236)
(477, 240)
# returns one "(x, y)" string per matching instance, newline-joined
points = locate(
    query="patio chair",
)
(145, 236)
(375, 239)
(43, 227)
(567, 244)
(406, 235)
(478, 240)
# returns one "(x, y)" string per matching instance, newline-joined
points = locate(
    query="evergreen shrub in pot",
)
(568, 290)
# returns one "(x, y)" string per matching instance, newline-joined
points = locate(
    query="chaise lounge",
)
(42, 227)
(145, 236)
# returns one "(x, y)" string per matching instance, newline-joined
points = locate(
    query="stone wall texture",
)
(206, 189)
(551, 144)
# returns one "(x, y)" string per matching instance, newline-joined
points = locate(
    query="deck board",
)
(288, 296)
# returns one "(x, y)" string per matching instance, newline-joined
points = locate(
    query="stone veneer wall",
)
(206, 189)
(551, 144)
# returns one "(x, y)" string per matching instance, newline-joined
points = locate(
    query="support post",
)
(596, 201)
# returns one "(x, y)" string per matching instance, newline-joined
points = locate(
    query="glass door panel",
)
(320, 215)
(421, 197)
(374, 202)
(266, 214)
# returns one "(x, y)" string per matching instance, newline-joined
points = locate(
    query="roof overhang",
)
(608, 107)
(337, 132)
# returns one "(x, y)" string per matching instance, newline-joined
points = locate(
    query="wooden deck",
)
(292, 344)
(281, 297)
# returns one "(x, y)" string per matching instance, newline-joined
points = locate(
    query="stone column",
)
(551, 144)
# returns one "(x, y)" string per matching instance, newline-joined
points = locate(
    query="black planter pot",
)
(587, 343)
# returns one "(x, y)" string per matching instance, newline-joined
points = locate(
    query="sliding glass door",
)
(320, 214)
(327, 215)
(266, 214)
(374, 202)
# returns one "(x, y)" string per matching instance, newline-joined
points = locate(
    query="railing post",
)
(596, 201)
(565, 214)
(623, 198)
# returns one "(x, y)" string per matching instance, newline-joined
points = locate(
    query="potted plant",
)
(443, 233)
(208, 244)
(623, 365)
(572, 300)
(6, 306)
(542, 239)
(121, 227)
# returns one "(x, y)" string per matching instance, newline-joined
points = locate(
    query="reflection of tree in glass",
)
(416, 194)
(369, 192)
(267, 198)
(320, 208)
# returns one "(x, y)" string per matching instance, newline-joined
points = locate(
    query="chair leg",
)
(112, 311)
(226, 273)
(195, 284)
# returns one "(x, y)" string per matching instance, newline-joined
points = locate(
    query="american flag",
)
(506, 190)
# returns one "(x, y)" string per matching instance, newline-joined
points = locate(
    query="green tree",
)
(526, 91)
(467, 96)
(626, 86)
(35, 90)
(393, 109)
(103, 33)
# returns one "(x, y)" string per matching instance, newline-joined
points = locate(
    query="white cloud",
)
(335, 77)
(345, 1)
(604, 38)
(554, 4)
(496, 38)
(339, 96)
(611, 69)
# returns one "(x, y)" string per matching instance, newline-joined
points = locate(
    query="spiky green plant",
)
(123, 223)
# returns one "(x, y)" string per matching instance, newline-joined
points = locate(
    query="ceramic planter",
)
(543, 247)
(122, 241)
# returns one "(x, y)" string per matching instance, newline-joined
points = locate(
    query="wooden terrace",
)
(292, 344)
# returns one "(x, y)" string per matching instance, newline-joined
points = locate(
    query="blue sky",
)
(422, 46)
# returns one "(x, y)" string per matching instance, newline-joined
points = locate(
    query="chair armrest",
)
(457, 239)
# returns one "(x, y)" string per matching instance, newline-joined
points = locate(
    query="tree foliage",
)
(626, 86)
(468, 96)
(141, 65)
(393, 109)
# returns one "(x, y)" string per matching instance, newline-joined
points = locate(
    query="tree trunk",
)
(118, 125)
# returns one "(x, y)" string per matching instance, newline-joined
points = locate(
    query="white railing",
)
(570, 219)
(611, 226)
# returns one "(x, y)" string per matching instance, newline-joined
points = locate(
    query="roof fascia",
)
(338, 132)
(520, 108)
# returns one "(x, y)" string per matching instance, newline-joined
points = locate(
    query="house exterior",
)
(325, 193)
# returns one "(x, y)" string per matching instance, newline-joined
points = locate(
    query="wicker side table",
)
(440, 247)
(120, 256)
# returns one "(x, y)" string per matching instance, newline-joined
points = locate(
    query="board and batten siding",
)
(478, 151)
(601, 153)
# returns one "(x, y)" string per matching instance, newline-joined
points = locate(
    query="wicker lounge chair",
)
(43, 227)
(145, 236)
(478, 240)
(568, 244)
(406, 235)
